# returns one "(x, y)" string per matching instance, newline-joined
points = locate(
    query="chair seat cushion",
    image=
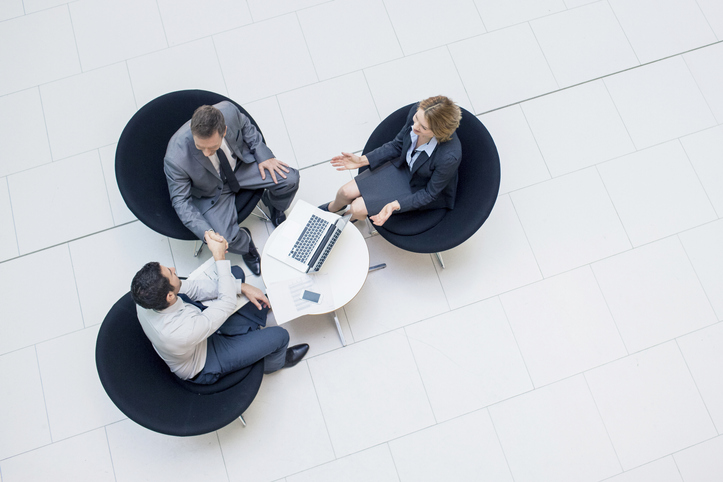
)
(223, 383)
(414, 222)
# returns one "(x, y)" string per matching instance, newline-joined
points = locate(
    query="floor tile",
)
(319, 183)
(75, 399)
(392, 90)
(702, 245)
(584, 43)
(659, 102)
(23, 135)
(704, 149)
(653, 293)
(268, 451)
(59, 311)
(713, 11)
(703, 462)
(468, 359)
(43, 44)
(280, 39)
(458, 20)
(417, 292)
(11, 9)
(661, 470)
(347, 53)
(563, 326)
(703, 352)
(81, 459)
(465, 448)
(123, 251)
(577, 128)
(329, 117)
(650, 405)
(22, 406)
(107, 33)
(497, 14)
(656, 192)
(8, 240)
(496, 259)
(355, 385)
(139, 454)
(186, 20)
(107, 100)
(267, 114)
(648, 25)
(264, 9)
(706, 65)
(168, 70)
(519, 66)
(78, 202)
(570, 221)
(373, 464)
(120, 212)
(555, 433)
(520, 159)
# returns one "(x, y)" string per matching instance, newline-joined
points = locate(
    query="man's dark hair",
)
(206, 120)
(149, 287)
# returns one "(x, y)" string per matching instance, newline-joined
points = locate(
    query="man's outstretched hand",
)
(216, 244)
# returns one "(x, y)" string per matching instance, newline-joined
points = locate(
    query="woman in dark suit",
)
(417, 170)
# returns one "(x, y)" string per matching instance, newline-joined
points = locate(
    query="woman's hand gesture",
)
(348, 161)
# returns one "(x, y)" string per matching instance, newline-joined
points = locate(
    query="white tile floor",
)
(576, 337)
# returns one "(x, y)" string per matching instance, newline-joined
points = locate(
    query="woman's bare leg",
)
(358, 209)
(345, 195)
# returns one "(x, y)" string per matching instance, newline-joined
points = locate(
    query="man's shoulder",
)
(178, 145)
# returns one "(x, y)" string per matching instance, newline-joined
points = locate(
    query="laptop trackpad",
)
(292, 230)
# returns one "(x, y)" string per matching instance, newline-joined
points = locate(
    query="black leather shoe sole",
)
(295, 353)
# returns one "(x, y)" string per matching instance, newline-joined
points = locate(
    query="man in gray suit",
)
(209, 160)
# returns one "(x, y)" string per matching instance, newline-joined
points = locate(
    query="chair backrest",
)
(142, 386)
(477, 189)
(139, 157)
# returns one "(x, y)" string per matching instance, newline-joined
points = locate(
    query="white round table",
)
(347, 267)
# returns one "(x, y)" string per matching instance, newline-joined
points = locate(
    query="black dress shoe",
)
(252, 258)
(277, 216)
(295, 353)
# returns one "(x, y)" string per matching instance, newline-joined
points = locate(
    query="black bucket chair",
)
(437, 230)
(142, 386)
(139, 160)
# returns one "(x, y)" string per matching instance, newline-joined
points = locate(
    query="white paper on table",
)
(208, 271)
(285, 296)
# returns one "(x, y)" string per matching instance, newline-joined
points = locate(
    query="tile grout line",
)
(610, 311)
(15, 226)
(77, 291)
(77, 49)
(517, 343)
(421, 378)
(107, 191)
(321, 409)
(110, 453)
(697, 388)
(45, 400)
(602, 420)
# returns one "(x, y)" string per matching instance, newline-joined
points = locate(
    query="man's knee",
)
(288, 184)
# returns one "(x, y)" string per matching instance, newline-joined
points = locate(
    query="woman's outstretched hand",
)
(383, 215)
(348, 161)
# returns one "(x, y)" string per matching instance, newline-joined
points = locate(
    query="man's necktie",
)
(188, 300)
(226, 172)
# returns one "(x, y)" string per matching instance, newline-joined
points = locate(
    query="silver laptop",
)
(307, 237)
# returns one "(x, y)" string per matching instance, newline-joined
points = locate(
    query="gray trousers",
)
(223, 216)
(240, 342)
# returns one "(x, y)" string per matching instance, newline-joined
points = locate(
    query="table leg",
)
(338, 327)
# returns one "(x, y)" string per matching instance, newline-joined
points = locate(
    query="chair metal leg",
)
(263, 214)
(439, 258)
(372, 229)
(338, 327)
(241, 417)
(197, 248)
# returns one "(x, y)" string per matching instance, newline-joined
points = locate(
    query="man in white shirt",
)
(201, 344)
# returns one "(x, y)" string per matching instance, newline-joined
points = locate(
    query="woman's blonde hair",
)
(443, 116)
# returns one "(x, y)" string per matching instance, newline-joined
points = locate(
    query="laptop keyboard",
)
(314, 229)
(329, 245)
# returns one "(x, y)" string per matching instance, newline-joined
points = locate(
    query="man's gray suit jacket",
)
(193, 182)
